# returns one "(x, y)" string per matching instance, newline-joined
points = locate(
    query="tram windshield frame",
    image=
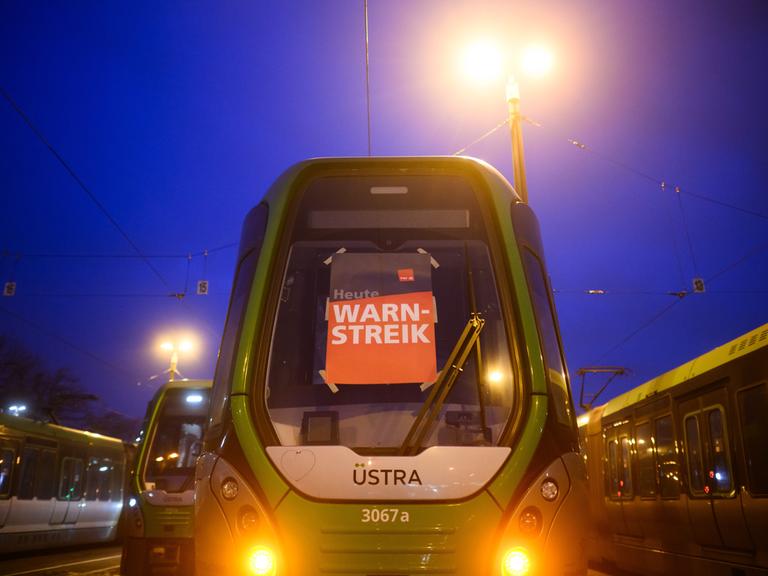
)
(175, 441)
(440, 218)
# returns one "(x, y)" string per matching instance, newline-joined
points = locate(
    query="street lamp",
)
(174, 347)
(483, 63)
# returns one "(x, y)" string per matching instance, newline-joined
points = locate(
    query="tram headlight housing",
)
(229, 488)
(516, 562)
(262, 561)
(549, 490)
(530, 521)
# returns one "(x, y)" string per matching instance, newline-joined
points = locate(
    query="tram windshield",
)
(177, 439)
(374, 298)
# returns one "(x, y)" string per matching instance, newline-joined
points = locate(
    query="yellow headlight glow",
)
(516, 562)
(262, 561)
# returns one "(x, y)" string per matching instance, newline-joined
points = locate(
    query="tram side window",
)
(618, 475)
(646, 469)
(612, 473)
(666, 457)
(29, 458)
(105, 480)
(625, 481)
(117, 479)
(91, 479)
(45, 483)
(719, 473)
(71, 479)
(550, 343)
(753, 406)
(693, 454)
(6, 470)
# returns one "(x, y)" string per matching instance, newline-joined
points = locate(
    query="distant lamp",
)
(16, 409)
(184, 345)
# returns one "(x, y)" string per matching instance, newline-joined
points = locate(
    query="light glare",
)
(537, 61)
(262, 562)
(516, 562)
(194, 398)
(482, 62)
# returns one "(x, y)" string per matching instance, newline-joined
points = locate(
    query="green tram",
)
(158, 539)
(391, 396)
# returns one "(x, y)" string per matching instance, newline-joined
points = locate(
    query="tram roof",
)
(416, 164)
(38, 428)
(188, 383)
(741, 346)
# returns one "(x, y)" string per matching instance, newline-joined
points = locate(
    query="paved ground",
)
(101, 561)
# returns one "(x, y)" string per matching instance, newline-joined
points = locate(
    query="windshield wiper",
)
(454, 365)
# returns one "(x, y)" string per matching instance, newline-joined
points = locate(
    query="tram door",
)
(714, 500)
(8, 451)
(620, 488)
(70, 491)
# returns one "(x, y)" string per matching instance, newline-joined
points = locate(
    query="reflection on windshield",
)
(386, 314)
(177, 440)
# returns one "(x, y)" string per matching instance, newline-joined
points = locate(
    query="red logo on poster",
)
(405, 275)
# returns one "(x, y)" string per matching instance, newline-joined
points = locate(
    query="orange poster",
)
(381, 323)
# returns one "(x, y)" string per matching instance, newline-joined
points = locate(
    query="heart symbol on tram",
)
(296, 464)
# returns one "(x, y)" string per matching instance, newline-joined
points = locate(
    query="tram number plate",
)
(383, 515)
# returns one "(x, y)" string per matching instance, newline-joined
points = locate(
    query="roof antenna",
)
(367, 76)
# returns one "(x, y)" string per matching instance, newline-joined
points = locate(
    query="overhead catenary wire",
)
(623, 165)
(367, 75)
(82, 185)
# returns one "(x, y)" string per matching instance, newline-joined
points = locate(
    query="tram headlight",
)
(549, 490)
(229, 488)
(516, 562)
(261, 561)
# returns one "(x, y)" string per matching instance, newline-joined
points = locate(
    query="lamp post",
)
(174, 348)
(483, 63)
(516, 135)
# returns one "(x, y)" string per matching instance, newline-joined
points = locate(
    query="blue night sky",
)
(176, 117)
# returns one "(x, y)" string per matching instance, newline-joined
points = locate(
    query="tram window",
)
(71, 479)
(223, 375)
(693, 454)
(29, 458)
(646, 469)
(104, 479)
(626, 489)
(45, 483)
(116, 491)
(753, 406)
(6, 470)
(612, 473)
(91, 479)
(666, 458)
(545, 320)
(719, 473)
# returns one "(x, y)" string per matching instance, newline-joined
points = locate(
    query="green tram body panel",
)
(316, 536)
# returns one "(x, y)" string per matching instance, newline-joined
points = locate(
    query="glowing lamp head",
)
(167, 346)
(261, 561)
(537, 61)
(516, 562)
(482, 62)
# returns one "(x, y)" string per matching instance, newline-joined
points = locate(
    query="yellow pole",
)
(516, 133)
